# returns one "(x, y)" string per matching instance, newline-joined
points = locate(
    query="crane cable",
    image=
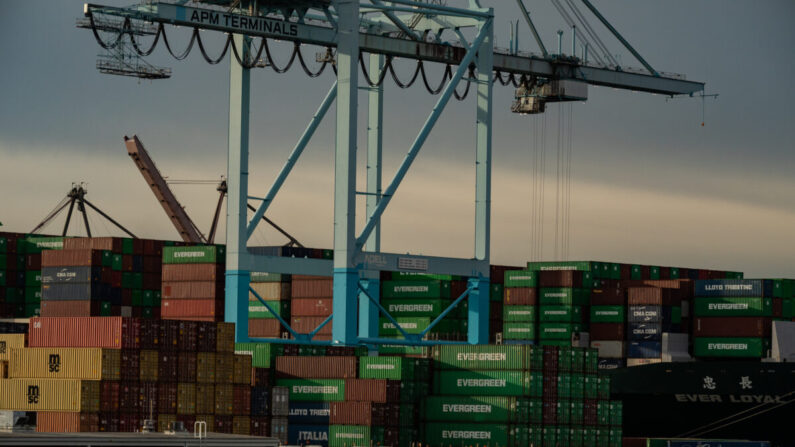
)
(537, 205)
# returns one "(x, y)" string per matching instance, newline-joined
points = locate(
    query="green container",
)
(415, 289)
(734, 275)
(127, 280)
(577, 386)
(480, 357)
(15, 295)
(137, 298)
(348, 436)
(603, 387)
(788, 308)
(608, 314)
(33, 278)
(200, 254)
(616, 413)
(575, 436)
(32, 310)
(590, 387)
(411, 276)
(314, 390)
(590, 364)
(2, 275)
(496, 291)
(676, 314)
(387, 367)
(550, 436)
(636, 272)
(36, 244)
(148, 298)
(519, 331)
(269, 277)
(328, 254)
(519, 313)
(563, 314)
(482, 383)
(33, 294)
(578, 360)
(577, 412)
(558, 331)
(107, 258)
(564, 385)
(563, 296)
(127, 246)
(583, 266)
(529, 411)
(3, 262)
(493, 409)
(116, 262)
(410, 307)
(520, 278)
(262, 354)
(589, 435)
(402, 350)
(730, 347)
(257, 310)
(105, 309)
(447, 434)
(616, 435)
(415, 325)
(603, 413)
(654, 272)
(3, 245)
(564, 359)
(732, 307)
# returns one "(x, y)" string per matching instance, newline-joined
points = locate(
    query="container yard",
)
(204, 338)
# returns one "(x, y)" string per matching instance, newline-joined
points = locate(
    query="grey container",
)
(280, 403)
(644, 314)
(645, 332)
(78, 291)
(59, 275)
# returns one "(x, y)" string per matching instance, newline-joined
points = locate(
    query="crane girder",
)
(256, 26)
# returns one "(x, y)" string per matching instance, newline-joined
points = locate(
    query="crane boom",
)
(179, 218)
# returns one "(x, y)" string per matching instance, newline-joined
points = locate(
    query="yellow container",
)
(65, 363)
(163, 420)
(9, 341)
(224, 398)
(148, 365)
(205, 399)
(186, 398)
(242, 369)
(49, 395)
(224, 367)
(241, 425)
(205, 367)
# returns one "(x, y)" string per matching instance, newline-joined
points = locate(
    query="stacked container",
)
(311, 304)
(415, 300)
(193, 283)
(274, 289)
(519, 310)
(563, 303)
(20, 272)
(732, 317)
(652, 311)
(607, 325)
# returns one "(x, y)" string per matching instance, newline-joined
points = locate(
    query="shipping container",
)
(71, 258)
(351, 413)
(89, 274)
(366, 390)
(481, 357)
(301, 434)
(192, 272)
(270, 290)
(188, 308)
(213, 254)
(9, 342)
(314, 390)
(265, 328)
(314, 288)
(520, 278)
(608, 314)
(733, 288)
(481, 409)
(483, 383)
(205, 398)
(387, 367)
(65, 363)
(520, 296)
(348, 436)
(730, 347)
(733, 307)
(50, 395)
(66, 422)
(519, 331)
(732, 327)
(451, 434)
(415, 289)
(309, 413)
(84, 332)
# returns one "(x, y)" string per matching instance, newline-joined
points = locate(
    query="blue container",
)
(53, 275)
(309, 413)
(611, 363)
(260, 400)
(75, 291)
(746, 288)
(645, 332)
(649, 314)
(644, 349)
(307, 434)
(138, 263)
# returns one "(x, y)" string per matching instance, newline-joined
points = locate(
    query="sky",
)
(650, 185)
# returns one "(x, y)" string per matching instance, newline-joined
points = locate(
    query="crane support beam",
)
(179, 218)
(390, 46)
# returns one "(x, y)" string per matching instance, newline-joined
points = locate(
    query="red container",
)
(310, 278)
(305, 325)
(151, 281)
(365, 390)
(195, 290)
(732, 327)
(113, 244)
(650, 296)
(193, 272)
(61, 422)
(589, 412)
(560, 278)
(84, 332)
(265, 328)
(314, 288)
(223, 424)
(129, 422)
(242, 400)
(109, 422)
(70, 308)
(108, 396)
(778, 307)
(152, 264)
(152, 247)
(166, 398)
(150, 333)
(70, 258)
(524, 296)
(610, 296)
(127, 263)
(126, 297)
(260, 426)
(549, 411)
(168, 367)
(607, 331)
(130, 364)
(317, 367)
(188, 309)
(186, 372)
(206, 336)
(33, 261)
(261, 377)
(311, 307)
(129, 397)
(351, 413)
(115, 278)
(168, 331)
(186, 340)
(148, 399)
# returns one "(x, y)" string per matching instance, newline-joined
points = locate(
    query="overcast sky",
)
(649, 183)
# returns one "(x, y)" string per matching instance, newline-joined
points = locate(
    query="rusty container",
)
(366, 390)
(311, 307)
(520, 296)
(311, 288)
(732, 327)
(351, 413)
(70, 258)
(84, 332)
(66, 422)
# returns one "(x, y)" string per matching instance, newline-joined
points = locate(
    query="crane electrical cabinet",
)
(371, 34)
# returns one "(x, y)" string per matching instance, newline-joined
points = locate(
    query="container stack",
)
(652, 311)
(274, 289)
(562, 300)
(415, 300)
(20, 272)
(73, 284)
(519, 310)
(732, 317)
(311, 304)
(518, 396)
(109, 374)
(193, 283)
(607, 325)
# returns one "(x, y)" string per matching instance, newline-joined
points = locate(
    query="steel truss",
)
(379, 28)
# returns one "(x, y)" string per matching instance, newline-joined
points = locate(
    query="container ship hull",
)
(717, 400)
